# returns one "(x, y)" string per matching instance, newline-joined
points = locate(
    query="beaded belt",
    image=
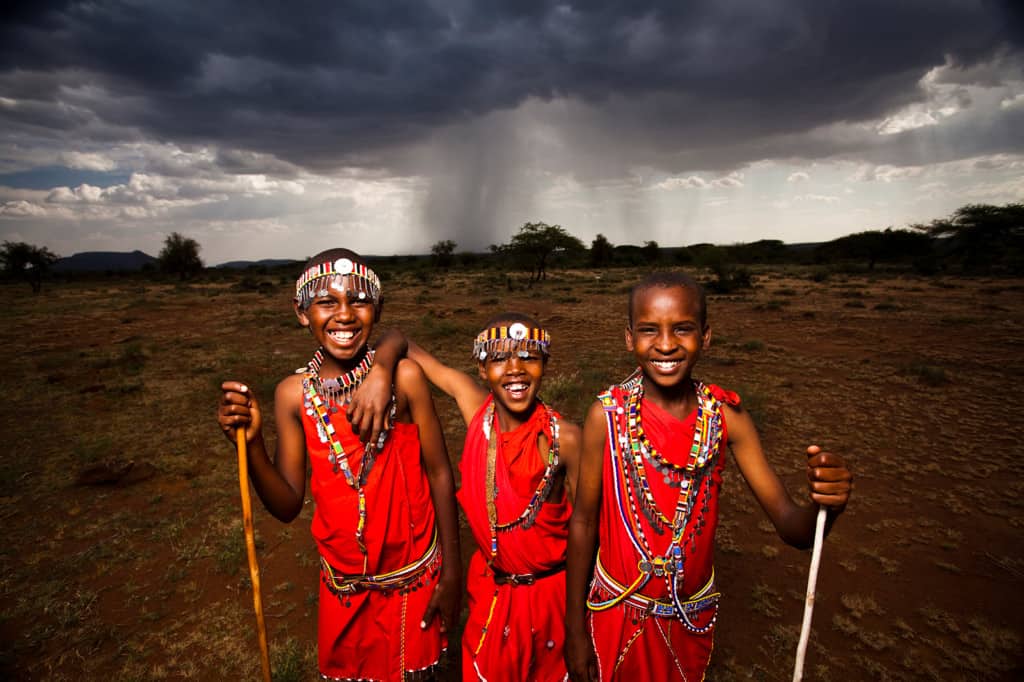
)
(340, 584)
(502, 578)
(704, 598)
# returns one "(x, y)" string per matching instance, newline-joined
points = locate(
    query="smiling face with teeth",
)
(514, 378)
(341, 321)
(667, 335)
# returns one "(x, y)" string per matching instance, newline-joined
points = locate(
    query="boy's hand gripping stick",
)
(812, 581)
(250, 547)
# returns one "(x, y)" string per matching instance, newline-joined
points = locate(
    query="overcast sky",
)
(275, 130)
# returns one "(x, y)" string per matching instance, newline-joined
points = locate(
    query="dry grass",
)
(141, 577)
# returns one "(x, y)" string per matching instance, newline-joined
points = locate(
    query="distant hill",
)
(104, 261)
(266, 263)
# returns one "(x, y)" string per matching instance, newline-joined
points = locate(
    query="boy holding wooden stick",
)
(385, 520)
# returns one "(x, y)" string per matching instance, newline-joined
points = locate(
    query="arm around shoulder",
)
(468, 394)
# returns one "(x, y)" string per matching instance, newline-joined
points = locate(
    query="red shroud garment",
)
(377, 636)
(514, 632)
(636, 646)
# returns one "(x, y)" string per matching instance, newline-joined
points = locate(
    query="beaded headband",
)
(316, 280)
(516, 336)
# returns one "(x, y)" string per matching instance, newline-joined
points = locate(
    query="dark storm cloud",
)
(321, 84)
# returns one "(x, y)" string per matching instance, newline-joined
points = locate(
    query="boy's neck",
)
(678, 399)
(333, 366)
(510, 421)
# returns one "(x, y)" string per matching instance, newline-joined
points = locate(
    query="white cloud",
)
(943, 99)
(87, 161)
(732, 180)
(1012, 102)
(885, 173)
(21, 209)
(798, 176)
(816, 198)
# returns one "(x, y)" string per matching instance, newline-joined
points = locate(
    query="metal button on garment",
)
(551, 644)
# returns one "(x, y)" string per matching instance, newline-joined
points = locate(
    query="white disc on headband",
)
(343, 266)
(517, 331)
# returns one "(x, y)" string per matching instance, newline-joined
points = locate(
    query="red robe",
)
(632, 645)
(514, 632)
(377, 635)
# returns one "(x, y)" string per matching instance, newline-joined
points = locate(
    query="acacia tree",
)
(982, 234)
(535, 243)
(180, 255)
(877, 246)
(26, 261)
(651, 251)
(443, 253)
(601, 251)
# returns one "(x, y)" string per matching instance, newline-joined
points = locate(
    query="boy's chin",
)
(344, 354)
(662, 379)
(517, 408)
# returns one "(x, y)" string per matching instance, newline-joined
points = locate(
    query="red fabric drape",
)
(378, 634)
(656, 648)
(525, 624)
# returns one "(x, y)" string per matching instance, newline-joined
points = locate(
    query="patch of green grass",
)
(861, 605)
(765, 600)
(291, 661)
(752, 345)
(90, 452)
(929, 375)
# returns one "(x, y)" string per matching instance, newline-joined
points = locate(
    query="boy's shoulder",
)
(289, 389)
(291, 380)
(568, 431)
(408, 371)
(409, 378)
(724, 396)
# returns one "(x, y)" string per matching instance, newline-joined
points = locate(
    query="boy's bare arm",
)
(468, 394)
(829, 482)
(580, 659)
(448, 593)
(280, 482)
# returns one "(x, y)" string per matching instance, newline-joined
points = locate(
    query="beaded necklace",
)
(529, 514)
(321, 398)
(633, 448)
(707, 434)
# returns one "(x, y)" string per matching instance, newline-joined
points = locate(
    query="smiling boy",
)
(517, 466)
(647, 499)
(384, 520)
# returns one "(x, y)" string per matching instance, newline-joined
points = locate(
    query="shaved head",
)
(668, 279)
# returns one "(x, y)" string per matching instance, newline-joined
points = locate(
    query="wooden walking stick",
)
(250, 548)
(812, 581)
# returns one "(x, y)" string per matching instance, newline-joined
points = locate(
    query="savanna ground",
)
(124, 557)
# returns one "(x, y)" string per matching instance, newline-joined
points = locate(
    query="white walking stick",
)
(812, 580)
